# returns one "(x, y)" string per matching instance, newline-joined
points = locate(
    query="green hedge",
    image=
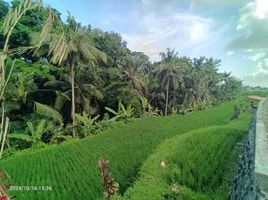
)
(72, 171)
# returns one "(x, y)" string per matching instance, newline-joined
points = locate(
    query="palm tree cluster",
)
(185, 84)
(66, 69)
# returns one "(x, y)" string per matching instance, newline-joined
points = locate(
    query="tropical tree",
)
(12, 18)
(132, 74)
(206, 70)
(87, 91)
(228, 86)
(70, 48)
(192, 90)
(143, 62)
(111, 44)
(168, 73)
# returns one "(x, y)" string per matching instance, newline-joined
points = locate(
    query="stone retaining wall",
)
(251, 180)
(244, 183)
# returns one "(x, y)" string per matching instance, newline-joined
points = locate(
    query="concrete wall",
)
(261, 157)
(244, 183)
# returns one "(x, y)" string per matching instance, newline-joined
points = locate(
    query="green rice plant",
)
(197, 165)
(71, 168)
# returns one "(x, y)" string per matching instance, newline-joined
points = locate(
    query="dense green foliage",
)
(196, 165)
(71, 169)
(68, 69)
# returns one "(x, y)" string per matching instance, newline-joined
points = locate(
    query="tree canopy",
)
(69, 69)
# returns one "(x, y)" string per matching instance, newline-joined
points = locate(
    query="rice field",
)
(199, 165)
(70, 171)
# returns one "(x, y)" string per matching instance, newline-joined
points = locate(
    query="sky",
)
(235, 31)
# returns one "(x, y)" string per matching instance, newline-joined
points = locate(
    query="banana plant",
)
(174, 111)
(36, 133)
(86, 122)
(122, 113)
(147, 109)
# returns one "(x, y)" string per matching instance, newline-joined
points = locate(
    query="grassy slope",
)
(199, 165)
(72, 170)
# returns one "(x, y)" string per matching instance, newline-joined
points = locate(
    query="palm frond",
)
(49, 112)
(47, 28)
(111, 110)
(92, 90)
(85, 102)
(57, 85)
(21, 136)
(92, 53)
(15, 14)
(60, 100)
(59, 49)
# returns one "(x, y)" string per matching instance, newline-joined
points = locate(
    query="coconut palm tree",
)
(207, 71)
(87, 93)
(192, 89)
(132, 74)
(70, 48)
(168, 73)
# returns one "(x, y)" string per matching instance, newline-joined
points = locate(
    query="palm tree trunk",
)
(167, 96)
(4, 130)
(73, 96)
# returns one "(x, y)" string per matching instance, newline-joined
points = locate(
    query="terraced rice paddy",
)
(71, 169)
(198, 165)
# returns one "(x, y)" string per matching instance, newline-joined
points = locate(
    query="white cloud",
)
(198, 31)
(261, 9)
(257, 56)
(251, 38)
(252, 27)
(254, 10)
(220, 3)
(249, 50)
(229, 53)
(174, 30)
(245, 14)
(260, 76)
